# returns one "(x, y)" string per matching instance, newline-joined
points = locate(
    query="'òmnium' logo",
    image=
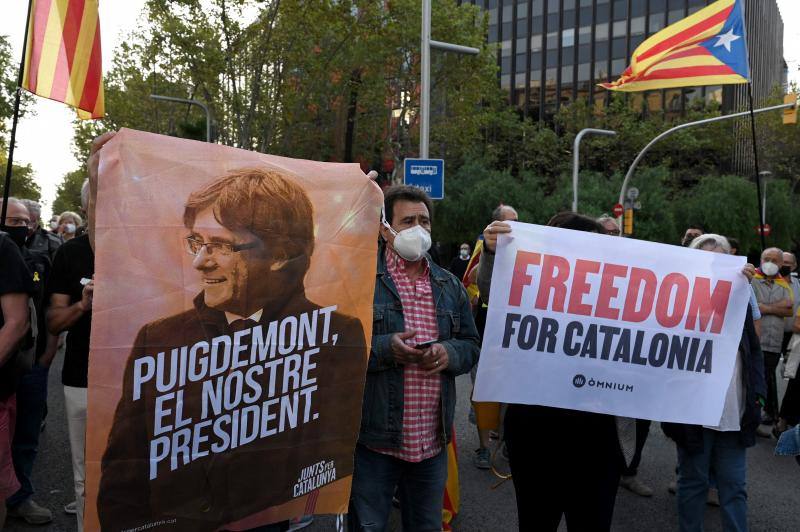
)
(579, 381)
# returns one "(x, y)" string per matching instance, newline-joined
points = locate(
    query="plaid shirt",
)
(421, 393)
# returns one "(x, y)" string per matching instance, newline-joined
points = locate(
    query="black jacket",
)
(690, 437)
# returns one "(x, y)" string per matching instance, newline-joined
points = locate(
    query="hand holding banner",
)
(610, 325)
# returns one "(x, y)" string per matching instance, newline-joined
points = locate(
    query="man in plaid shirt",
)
(423, 336)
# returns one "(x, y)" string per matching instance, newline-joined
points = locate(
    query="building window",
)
(505, 48)
(536, 62)
(520, 63)
(584, 72)
(601, 32)
(620, 9)
(585, 35)
(637, 26)
(568, 56)
(620, 28)
(538, 7)
(568, 38)
(505, 81)
(656, 22)
(618, 48)
(552, 40)
(603, 13)
(618, 67)
(584, 53)
(536, 43)
(566, 74)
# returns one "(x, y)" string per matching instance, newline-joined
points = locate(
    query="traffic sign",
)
(633, 193)
(618, 210)
(767, 229)
(425, 174)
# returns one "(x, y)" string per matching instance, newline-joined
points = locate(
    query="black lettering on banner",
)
(548, 334)
(528, 330)
(511, 320)
(608, 338)
(570, 348)
(658, 350)
(589, 348)
(623, 351)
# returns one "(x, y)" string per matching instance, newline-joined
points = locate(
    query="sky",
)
(44, 138)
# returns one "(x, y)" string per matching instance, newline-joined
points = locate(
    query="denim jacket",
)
(382, 409)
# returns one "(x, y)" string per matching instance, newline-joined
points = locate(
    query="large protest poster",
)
(230, 335)
(610, 325)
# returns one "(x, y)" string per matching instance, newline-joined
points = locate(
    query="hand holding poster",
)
(229, 337)
(610, 325)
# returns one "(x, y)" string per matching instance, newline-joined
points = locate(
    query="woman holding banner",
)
(566, 475)
(722, 448)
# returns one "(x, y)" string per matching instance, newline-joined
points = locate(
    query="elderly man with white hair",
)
(774, 296)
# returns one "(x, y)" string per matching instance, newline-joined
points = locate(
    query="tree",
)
(22, 182)
(322, 80)
(9, 69)
(68, 193)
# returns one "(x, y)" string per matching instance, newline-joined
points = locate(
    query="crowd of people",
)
(427, 330)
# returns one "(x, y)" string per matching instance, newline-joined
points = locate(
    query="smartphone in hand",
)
(425, 345)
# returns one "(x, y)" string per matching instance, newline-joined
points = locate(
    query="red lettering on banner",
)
(580, 287)
(663, 316)
(608, 291)
(706, 306)
(644, 282)
(553, 282)
(521, 278)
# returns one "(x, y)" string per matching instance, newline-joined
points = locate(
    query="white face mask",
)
(70, 228)
(770, 269)
(464, 254)
(412, 243)
(54, 225)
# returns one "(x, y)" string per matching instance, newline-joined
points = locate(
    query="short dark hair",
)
(734, 242)
(404, 193)
(699, 227)
(575, 221)
(265, 202)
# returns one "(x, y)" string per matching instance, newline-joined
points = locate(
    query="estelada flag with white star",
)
(707, 48)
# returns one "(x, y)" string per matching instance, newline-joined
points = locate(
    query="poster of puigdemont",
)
(230, 329)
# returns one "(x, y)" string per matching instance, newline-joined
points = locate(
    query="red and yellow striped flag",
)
(708, 47)
(63, 60)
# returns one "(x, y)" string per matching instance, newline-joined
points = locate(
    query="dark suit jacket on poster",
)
(216, 489)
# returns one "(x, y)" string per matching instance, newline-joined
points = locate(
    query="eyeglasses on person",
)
(194, 245)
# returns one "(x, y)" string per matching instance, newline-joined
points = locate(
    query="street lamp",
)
(576, 161)
(189, 102)
(425, 84)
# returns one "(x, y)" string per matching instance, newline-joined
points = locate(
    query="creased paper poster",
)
(231, 320)
(611, 325)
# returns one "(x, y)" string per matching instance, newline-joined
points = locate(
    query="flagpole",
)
(15, 119)
(761, 220)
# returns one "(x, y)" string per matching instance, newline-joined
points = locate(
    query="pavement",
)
(773, 482)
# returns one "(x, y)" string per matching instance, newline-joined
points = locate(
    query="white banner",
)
(611, 325)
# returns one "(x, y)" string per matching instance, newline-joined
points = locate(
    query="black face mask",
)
(785, 271)
(17, 234)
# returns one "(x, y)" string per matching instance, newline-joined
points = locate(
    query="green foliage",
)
(22, 182)
(68, 194)
(9, 70)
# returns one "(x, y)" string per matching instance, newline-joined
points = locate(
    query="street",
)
(773, 482)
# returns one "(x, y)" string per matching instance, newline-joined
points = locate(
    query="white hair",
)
(85, 195)
(711, 242)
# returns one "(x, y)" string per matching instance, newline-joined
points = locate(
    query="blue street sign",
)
(426, 174)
